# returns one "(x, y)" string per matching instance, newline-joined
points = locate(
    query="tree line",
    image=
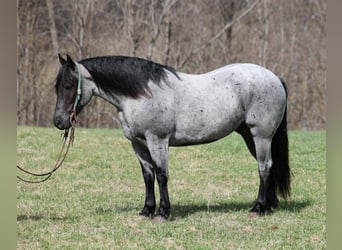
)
(193, 36)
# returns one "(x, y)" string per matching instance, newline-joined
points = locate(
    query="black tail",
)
(280, 172)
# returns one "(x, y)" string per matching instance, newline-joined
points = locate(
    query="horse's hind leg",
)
(266, 196)
(145, 160)
(271, 195)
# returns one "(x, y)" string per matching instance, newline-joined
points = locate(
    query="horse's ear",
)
(70, 61)
(61, 59)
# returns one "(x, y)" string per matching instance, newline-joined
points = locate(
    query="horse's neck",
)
(89, 89)
(112, 98)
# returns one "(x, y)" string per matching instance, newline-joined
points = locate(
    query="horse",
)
(160, 107)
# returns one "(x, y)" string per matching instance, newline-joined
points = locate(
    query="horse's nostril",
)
(58, 123)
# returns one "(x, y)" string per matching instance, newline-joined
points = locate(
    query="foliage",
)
(193, 36)
(93, 200)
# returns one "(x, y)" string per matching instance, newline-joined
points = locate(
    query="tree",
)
(288, 37)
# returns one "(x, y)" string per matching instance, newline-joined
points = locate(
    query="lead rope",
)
(60, 159)
(61, 156)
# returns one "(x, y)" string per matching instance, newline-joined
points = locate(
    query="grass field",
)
(92, 202)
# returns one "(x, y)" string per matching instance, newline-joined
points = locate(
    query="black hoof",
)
(147, 212)
(163, 213)
(261, 209)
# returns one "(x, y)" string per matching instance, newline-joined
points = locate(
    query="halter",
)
(79, 91)
(78, 94)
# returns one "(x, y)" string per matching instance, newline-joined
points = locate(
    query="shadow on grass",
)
(24, 217)
(185, 210)
(294, 206)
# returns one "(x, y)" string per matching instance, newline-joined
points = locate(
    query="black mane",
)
(125, 75)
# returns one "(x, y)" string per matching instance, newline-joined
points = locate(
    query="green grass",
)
(92, 202)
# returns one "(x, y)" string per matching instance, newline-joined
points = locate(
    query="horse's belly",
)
(180, 139)
(201, 128)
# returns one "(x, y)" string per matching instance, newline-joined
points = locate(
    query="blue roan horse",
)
(161, 107)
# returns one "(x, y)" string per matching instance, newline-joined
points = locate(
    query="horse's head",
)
(66, 90)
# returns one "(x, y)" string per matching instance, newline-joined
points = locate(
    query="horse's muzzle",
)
(61, 123)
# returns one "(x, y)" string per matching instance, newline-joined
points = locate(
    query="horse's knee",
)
(162, 175)
(147, 170)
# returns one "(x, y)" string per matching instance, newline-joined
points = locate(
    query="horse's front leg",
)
(145, 160)
(159, 152)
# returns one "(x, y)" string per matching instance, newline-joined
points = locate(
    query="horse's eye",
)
(68, 87)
